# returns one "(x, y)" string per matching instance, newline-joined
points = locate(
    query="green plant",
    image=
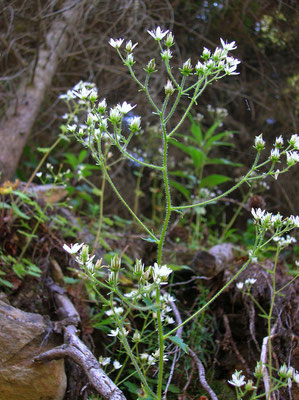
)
(146, 301)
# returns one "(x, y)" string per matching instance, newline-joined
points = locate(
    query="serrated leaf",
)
(179, 342)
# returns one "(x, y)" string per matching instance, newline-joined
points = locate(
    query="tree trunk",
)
(21, 113)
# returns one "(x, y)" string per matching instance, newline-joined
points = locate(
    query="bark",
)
(21, 113)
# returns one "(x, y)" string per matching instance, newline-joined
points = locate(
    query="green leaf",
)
(222, 161)
(211, 130)
(149, 239)
(214, 180)
(197, 155)
(82, 155)
(6, 283)
(179, 342)
(19, 212)
(181, 188)
(197, 132)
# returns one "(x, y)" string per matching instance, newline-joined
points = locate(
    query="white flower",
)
(240, 285)
(130, 47)
(259, 142)
(169, 89)
(151, 360)
(258, 213)
(73, 249)
(117, 310)
(102, 106)
(250, 281)
(124, 108)
(292, 158)
(114, 332)
(39, 174)
(200, 67)
(160, 273)
(294, 141)
(144, 356)
(104, 360)
(114, 115)
(170, 320)
(72, 128)
(278, 141)
(294, 220)
(296, 376)
(166, 55)
(274, 156)
(116, 364)
(228, 46)
(116, 43)
(206, 53)
(158, 34)
(135, 124)
(238, 380)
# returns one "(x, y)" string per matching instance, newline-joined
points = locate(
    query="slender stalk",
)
(269, 317)
(102, 161)
(167, 194)
(244, 179)
(161, 344)
(213, 298)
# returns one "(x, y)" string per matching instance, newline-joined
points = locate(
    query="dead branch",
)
(74, 348)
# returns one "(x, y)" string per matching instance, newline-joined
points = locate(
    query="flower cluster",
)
(248, 283)
(290, 152)
(213, 63)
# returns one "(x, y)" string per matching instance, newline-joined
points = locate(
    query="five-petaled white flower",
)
(116, 43)
(114, 332)
(160, 273)
(238, 380)
(124, 108)
(73, 249)
(158, 34)
(258, 213)
(228, 46)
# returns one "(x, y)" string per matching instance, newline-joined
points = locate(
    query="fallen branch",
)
(74, 348)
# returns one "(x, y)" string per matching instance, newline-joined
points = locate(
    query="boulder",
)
(22, 336)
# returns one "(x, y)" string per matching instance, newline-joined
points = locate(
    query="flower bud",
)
(258, 372)
(136, 336)
(206, 54)
(259, 142)
(139, 268)
(84, 255)
(166, 55)
(249, 386)
(130, 47)
(187, 68)
(115, 263)
(169, 41)
(114, 116)
(279, 142)
(169, 89)
(130, 60)
(102, 106)
(135, 124)
(151, 66)
(275, 155)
